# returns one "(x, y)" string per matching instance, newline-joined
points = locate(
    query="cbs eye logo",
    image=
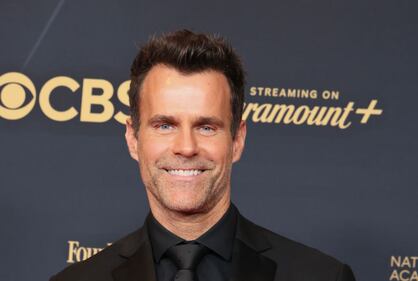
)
(13, 95)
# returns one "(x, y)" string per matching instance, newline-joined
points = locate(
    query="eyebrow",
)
(162, 119)
(202, 120)
(211, 120)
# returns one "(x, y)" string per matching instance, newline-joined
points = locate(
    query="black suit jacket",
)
(258, 255)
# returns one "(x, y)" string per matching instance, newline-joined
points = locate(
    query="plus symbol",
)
(367, 112)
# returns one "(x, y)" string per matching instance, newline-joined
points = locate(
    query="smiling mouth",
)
(184, 173)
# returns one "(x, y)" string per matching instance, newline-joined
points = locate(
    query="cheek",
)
(219, 151)
(149, 150)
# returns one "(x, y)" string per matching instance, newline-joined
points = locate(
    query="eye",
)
(207, 130)
(164, 127)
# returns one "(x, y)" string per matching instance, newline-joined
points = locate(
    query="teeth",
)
(185, 173)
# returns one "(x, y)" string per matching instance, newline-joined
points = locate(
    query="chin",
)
(185, 204)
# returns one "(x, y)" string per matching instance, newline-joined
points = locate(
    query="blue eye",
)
(165, 127)
(207, 130)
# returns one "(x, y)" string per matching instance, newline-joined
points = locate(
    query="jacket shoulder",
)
(101, 265)
(296, 261)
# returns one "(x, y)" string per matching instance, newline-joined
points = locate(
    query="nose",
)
(185, 143)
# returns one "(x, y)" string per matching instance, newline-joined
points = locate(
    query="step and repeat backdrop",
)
(331, 107)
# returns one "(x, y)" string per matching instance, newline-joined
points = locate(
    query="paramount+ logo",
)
(18, 97)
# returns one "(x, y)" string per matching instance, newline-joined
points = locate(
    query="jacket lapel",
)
(248, 262)
(139, 264)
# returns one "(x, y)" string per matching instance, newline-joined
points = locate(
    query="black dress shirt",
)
(215, 266)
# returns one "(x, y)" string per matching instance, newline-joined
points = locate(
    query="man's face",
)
(184, 145)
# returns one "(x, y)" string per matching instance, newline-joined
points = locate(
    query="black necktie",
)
(186, 257)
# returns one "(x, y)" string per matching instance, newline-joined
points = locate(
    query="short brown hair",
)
(189, 52)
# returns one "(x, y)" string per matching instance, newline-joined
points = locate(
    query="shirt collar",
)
(161, 238)
(219, 238)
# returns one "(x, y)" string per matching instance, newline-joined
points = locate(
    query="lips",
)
(184, 172)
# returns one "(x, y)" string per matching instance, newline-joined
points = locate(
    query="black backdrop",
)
(69, 187)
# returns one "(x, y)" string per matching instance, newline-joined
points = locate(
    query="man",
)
(185, 131)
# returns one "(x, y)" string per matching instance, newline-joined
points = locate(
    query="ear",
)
(131, 139)
(239, 141)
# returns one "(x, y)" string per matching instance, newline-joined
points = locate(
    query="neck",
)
(190, 226)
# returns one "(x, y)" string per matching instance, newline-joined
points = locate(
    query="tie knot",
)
(187, 256)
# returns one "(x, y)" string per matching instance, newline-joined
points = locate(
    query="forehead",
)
(165, 90)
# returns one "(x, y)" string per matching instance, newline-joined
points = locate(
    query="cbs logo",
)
(13, 95)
